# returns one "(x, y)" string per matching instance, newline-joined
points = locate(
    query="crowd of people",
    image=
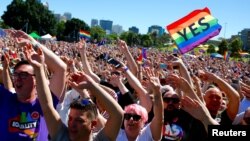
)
(60, 91)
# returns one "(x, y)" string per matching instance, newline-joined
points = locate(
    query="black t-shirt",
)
(223, 118)
(184, 128)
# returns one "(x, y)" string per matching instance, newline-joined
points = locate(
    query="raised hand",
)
(206, 76)
(6, 60)
(19, 34)
(154, 81)
(122, 45)
(80, 80)
(82, 45)
(35, 58)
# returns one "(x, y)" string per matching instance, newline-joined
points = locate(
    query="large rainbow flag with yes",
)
(194, 29)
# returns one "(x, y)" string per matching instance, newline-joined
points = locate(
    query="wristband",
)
(125, 69)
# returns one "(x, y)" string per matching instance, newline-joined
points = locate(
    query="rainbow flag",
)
(193, 29)
(143, 56)
(227, 55)
(84, 34)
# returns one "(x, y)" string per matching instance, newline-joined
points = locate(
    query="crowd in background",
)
(55, 90)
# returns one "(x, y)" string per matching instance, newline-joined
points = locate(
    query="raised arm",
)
(231, 93)
(53, 62)
(114, 110)
(85, 63)
(142, 94)
(51, 116)
(131, 61)
(6, 73)
(157, 121)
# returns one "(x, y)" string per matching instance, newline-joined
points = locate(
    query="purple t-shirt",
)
(21, 121)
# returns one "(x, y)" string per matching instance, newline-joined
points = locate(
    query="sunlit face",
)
(133, 126)
(24, 80)
(171, 101)
(79, 125)
(213, 99)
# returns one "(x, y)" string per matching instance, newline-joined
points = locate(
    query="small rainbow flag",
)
(84, 34)
(142, 56)
(227, 55)
(193, 29)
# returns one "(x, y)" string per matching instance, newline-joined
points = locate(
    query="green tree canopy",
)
(29, 15)
(236, 46)
(211, 49)
(223, 46)
(73, 26)
(97, 33)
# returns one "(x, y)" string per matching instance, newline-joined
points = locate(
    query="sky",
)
(232, 15)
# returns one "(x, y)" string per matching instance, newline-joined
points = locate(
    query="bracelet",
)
(125, 69)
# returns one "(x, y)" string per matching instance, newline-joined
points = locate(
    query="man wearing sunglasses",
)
(178, 124)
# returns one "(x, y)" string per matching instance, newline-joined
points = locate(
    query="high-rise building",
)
(58, 17)
(245, 37)
(68, 15)
(94, 22)
(63, 18)
(117, 29)
(155, 28)
(134, 29)
(106, 25)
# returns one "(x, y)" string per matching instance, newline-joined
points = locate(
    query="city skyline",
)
(161, 12)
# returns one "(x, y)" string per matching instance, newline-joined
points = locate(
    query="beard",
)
(169, 115)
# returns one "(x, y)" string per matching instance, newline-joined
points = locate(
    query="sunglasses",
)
(168, 99)
(135, 117)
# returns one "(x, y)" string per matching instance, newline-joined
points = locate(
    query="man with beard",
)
(178, 124)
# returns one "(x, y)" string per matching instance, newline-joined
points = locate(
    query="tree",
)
(132, 39)
(73, 26)
(112, 38)
(146, 40)
(223, 46)
(29, 16)
(60, 27)
(97, 33)
(211, 49)
(236, 47)
(3, 25)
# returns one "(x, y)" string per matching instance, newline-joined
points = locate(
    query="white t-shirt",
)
(63, 108)
(145, 135)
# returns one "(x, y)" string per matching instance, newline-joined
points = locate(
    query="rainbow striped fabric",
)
(227, 55)
(84, 34)
(142, 56)
(193, 29)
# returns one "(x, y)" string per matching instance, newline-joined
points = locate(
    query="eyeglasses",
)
(128, 116)
(22, 75)
(168, 99)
